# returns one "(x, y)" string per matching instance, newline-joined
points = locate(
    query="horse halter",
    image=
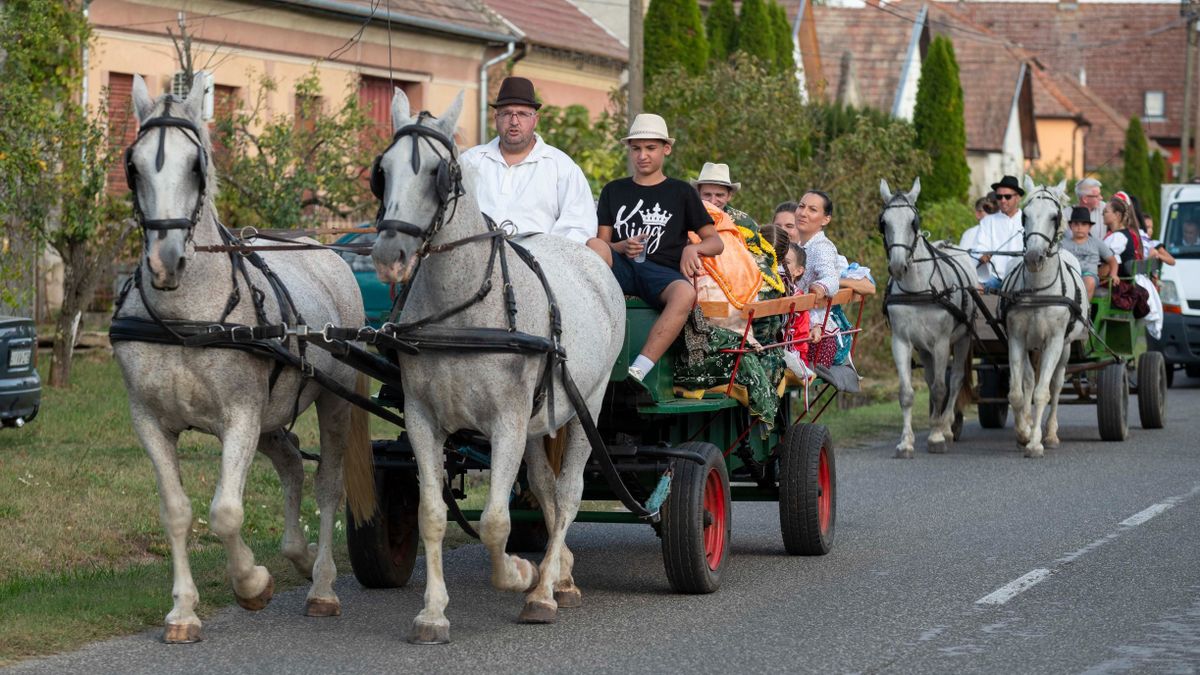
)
(1052, 243)
(916, 226)
(447, 179)
(162, 123)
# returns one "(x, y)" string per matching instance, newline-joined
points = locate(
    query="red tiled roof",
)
(1049, 99)
(1126, 49)
(561, 25)
(877, 42)
(461, 13)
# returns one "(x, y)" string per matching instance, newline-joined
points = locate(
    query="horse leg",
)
(543, 482)
(252, 584)
(556, 587)
(430, 625)
(1047, 371)
(1051, 439)
(956, 397)
(175, 511)
(1017, 359)
(285, 457)
(902, 354)
(334, 421)
(509, 572)
(935, 375)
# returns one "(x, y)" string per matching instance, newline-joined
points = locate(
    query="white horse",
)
(1045, 310)
(424, 211)
(930, 310)
(234, 395)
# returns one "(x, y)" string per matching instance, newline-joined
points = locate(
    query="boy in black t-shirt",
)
(643, 236)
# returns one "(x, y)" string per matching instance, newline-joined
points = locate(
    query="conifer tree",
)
(785, 63)
(1136, 176)
(940, 127)
(674, 35)
(720, 28)
(754, 33)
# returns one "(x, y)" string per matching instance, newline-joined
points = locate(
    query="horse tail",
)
(554, 447)
(358, 475)
(966, 394)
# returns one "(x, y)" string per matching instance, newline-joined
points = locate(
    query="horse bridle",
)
(163, 123)
(447, 180)
(899, 202)
(1052, 243)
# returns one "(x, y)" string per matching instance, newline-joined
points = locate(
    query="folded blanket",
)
(734, 270)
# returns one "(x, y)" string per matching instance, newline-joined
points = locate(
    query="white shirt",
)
(545, 192)
(999, 232)
(969, 240)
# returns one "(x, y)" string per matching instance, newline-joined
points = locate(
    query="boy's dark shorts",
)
(647, 280)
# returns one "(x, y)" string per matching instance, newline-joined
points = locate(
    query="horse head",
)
(1043, 221)
(169, 174)
(415, 179)
(900, 225)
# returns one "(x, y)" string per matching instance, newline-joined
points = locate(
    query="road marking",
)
(1017, 586)
(1013, 588)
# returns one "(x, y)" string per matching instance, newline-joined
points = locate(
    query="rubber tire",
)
(683, 530)
(383, 552)
(1152, 390)
(993, 384)
(1112, 403)
(1170, 375)
(801, 500)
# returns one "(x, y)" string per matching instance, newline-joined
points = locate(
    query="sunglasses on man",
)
(1006, 196)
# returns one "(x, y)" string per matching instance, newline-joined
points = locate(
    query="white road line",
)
(1017, 586)
(1013, 588)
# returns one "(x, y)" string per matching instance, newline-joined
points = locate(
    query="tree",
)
(1135, 178)
(54, 157)
(1153, 201)
(295, 169)
(593, 145)
(720, 28)
(785, 61)
(674, 34)
(940, 126)
(755, 35)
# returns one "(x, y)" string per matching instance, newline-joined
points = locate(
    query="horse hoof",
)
(937, 447)
(181, 633)
(1052, 443)
(568, 598)
(1034, 454)
(320, 607)
(538, 611)
(259, 601)
(904, 454)
(426, 633)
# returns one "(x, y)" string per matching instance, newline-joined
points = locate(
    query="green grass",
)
(872, 421)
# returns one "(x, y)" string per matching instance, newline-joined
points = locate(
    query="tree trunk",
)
(83, 262)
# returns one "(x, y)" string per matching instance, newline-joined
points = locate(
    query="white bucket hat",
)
(716, 174)
(649, 126)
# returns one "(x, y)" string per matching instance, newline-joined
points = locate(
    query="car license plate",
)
(19, 358)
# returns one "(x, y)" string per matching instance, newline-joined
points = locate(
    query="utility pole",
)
(635, 58)
(1188, 84)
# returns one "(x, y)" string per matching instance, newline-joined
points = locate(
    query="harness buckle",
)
(365, 334)
(248, 232)
(325, 332)
(306, 369)
(233, 333)
(302, 330)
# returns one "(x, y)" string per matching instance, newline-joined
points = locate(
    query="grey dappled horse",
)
(490, 392)
(226, 392)
(1042, 320)
(930, 311)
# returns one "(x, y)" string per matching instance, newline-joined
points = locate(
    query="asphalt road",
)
(974, 561)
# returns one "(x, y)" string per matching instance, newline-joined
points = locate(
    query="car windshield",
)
(359, 262)
(1182, 234)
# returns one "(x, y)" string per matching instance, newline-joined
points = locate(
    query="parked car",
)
(1180, 289)
(20, 386)
(377, 296)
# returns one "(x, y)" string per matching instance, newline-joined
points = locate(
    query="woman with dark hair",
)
(813, 214)
(1123, 236)
(986, 206)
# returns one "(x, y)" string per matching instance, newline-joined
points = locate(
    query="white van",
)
(1180, 342)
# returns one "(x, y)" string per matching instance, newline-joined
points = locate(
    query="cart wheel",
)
(696, 522)
(384, 551)
(1152, 390)
(1112, 403)
(993, 384)
(807, 490)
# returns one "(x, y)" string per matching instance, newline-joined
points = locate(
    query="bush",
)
(593, 146)
(945, 219)
(755, 36)
(720, 27)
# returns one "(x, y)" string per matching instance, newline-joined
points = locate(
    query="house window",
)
(1155, 106)
(375, 95)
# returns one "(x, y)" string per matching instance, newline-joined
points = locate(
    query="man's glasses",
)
(1008, 196)
(523, 115)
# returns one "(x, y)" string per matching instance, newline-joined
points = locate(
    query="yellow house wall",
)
(1061, 145)
(561, 81)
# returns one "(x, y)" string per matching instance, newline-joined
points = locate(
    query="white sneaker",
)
(637, 373)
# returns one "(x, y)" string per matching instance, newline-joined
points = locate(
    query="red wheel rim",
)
(825, 501)
(715, 519)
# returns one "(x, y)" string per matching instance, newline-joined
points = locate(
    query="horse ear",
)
(195, 97)
(1062, 186)
(400, 112)
(143, 105)
(1029, 184)
(449, 119)
(915, 191)
(885, 191)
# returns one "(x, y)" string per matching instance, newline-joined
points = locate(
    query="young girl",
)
(796, 355)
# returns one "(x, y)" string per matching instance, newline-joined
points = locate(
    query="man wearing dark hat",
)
(1000, 231)
(1088, 250)
(522, 180)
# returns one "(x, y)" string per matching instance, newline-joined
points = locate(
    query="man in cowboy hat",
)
(522, 180)
(1000, 231)
(1088, 250)
(644, 221)
(714, 185)
(716, 188)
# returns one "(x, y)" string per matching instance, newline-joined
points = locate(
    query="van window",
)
(1182, 234)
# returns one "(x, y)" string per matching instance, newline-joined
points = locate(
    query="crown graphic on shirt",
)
(655, 217)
